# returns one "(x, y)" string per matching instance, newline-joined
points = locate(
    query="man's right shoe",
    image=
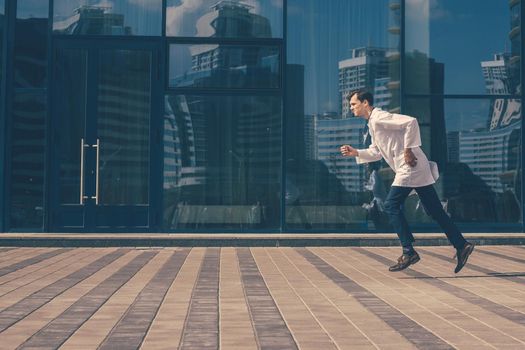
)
(405, 261)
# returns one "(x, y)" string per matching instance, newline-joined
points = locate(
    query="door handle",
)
(81, 171)
(97, 172)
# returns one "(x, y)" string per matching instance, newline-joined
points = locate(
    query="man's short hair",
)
(362, 95)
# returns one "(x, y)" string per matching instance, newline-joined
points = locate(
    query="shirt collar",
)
(374, 112)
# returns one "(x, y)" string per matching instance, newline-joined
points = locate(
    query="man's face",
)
(358, 108)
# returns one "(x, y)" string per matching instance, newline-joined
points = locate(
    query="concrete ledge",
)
(243, 240)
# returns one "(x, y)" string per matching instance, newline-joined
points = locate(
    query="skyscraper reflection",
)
(92, 20)
(223, 153)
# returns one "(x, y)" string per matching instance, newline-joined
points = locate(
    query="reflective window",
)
(224, 66)
(225, 18)
(2, 23)
(31, 44)
(109, 17)
(27, 161)
(222, 162)
(460, 47)
(477, 144)
(333, 48)
(124, 91)
(69, 107)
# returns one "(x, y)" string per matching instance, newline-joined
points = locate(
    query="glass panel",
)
(438, 59)
(481, 175)
(222, 162)
(124, 113)
(31, 44)
(70, 113)
(225, 18)
(27, 161)
(108, 17)
(2, 24)
(224, 66)
(335, 47)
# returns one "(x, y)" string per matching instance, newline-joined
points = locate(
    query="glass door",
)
(102, 127)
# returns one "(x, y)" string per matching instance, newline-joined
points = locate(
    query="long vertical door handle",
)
(82, 145)
(97, 181)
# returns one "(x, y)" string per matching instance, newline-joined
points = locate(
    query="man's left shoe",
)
(463, 255)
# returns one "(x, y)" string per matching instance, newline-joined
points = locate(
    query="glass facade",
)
(334, 48)
(225, 19)
(222, 162)
(224, 66)
(115, 17)
(2, 30)
(470, 98)
(3, 135)
(27, 120)
(436, 37)
(228, 115)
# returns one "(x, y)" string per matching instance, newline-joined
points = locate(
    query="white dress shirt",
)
(391, 134)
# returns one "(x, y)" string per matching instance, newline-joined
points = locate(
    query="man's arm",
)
(412, 136)
(371, 154)
(406, 123)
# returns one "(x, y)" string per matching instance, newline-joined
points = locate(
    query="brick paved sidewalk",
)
(267, 298)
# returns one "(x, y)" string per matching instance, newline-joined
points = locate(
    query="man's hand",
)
(349, 151)
(410, 158)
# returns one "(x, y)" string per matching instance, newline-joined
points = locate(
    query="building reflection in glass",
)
(31, 46)
(111, 17)
(477, 142)
(224, 66)
(222, 164)
(2, 24)
(124, 113)
(28, 117)
(225, 18)
(334, 190)
(28, 161)
(482, 179)
(222, 159)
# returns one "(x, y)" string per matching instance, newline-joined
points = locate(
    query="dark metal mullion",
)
(522, 76)
(225, 41)
(157, 141)
(8, 94)
(3, 114)
(223, 92)
(164, 18)
(463, 96)
(283, 63)
(91, 133)
(402, 59)
(48, 186)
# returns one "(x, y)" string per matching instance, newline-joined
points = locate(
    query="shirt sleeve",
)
(371, 154)
(410, 126)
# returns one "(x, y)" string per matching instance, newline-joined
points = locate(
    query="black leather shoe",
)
(463, 255)
(405, 261)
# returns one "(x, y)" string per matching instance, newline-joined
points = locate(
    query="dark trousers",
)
(427, 194)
